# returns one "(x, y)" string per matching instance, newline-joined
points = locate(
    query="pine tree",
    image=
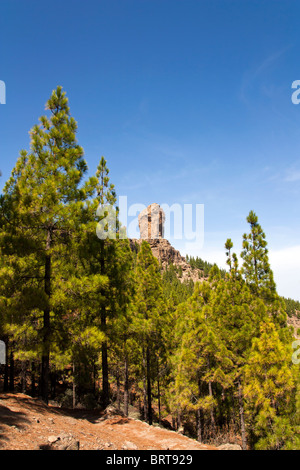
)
(79, 337)
(104, 253)
(258, 275)
(236, 314)
(106, 196)
(200, 360)
(256, 268)
(269, 387)
(42, 203)
(149, 316)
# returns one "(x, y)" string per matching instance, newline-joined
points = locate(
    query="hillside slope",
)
(26, 423)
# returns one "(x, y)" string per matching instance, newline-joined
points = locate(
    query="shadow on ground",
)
(10, 418)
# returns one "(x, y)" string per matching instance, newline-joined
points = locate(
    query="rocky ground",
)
(166, 254)
(294, 321)
(28, 424)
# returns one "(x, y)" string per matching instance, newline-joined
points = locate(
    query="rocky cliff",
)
(151, 225)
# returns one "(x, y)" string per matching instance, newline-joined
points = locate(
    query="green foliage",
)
(202, 265)
(269, 388)
(106, 321)
(292, 307)
(256, 267)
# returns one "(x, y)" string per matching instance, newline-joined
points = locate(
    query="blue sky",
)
(189, 101)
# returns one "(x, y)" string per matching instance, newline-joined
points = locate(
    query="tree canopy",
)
(87, 320)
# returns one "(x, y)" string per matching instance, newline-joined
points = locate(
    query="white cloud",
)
(285, 264)
(206, 253)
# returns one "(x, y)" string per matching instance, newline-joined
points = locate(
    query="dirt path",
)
(28, 424)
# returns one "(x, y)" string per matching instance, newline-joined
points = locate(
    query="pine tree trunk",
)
(11, 372)
(118, 388)
(23, 377)
(178, 419)
(94, 377)
(149, 392)
(144, 386)
(173, 423)
(46, 327)
(74, 387)
(53, 380)
(158, 392)
(5, 378)
(212, 412)
(126, 384)
(198, 425)
(242, 416)
(105, 382)
(198, 413)
(33, 379)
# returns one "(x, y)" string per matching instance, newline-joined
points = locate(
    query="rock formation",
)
(151, 225)
(151, 222)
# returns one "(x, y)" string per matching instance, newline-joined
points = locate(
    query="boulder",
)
(61, 442)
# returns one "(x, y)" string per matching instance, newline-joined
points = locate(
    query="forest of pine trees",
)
(88, 322)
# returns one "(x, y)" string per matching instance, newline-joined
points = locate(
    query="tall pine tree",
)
(42, 205)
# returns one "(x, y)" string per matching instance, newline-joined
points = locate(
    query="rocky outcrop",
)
(166, 255)
(151, 222)
(151, 225)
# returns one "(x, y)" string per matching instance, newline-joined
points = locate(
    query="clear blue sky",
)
(188, 100)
